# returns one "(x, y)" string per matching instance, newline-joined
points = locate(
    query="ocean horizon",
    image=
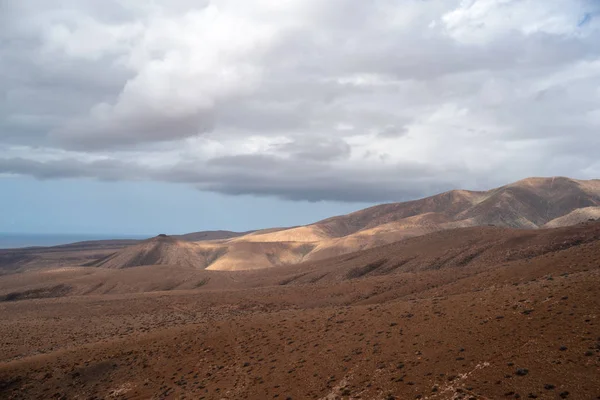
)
(22, 240)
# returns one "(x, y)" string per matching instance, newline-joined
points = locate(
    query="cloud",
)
(303, 99)
(260, 175)
(486, 20)
(109, 170)
(316, 149)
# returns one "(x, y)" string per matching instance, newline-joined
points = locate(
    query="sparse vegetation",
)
(309, 331)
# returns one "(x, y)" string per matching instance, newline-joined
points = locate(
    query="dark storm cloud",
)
(341, 100)
(105, 132)
(309, 181)
(257, 175)
(316, 149)
(71, 168)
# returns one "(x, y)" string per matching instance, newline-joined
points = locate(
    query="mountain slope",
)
(444, 254)
(156, 251)
(527, 204)
(209, 235)
(218, 255)
(577, 216)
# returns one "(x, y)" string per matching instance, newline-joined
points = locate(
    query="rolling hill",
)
(472, 313)
(480, 312)
(528, 204)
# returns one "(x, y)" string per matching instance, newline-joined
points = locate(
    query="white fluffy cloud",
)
(344, 99)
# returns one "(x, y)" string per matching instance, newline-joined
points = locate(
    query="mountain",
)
(531, 203)
(165, 264)
(161, 250)
(471, 313)
(219, 255)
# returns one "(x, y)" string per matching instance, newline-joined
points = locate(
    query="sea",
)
(21, 240)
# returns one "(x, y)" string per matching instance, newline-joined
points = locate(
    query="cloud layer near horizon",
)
(301, 99)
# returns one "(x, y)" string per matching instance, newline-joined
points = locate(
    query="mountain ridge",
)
(532, 203)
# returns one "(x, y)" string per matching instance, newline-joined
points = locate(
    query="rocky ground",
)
(518, 320)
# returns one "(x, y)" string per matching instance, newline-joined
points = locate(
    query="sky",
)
(138, 117)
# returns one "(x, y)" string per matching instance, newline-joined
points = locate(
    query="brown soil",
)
(475, 313)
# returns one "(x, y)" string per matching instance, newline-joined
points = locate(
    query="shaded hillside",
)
(216, 255)
(156, 251)
(439, 209)
(475, 247)
(529, 203)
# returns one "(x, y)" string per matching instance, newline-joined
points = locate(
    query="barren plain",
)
(469, 313)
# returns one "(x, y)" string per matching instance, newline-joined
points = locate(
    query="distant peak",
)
(162, 238)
